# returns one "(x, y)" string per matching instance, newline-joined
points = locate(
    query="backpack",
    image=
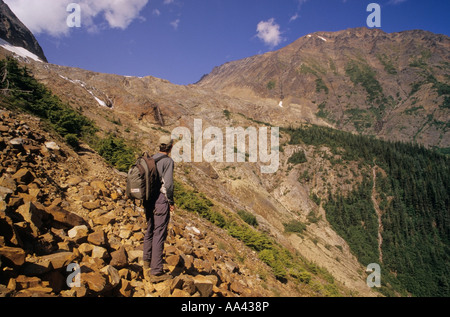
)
(143, 180)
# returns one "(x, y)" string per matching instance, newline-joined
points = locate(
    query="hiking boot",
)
(146, 270)
(159, 278)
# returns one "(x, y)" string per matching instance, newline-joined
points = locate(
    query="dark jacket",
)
(165, 169)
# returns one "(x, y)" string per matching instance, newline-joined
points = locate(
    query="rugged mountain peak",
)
(392, 85)
(16, 33)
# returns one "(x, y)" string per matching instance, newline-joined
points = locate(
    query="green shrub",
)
(270, 257)
(192, 201)
(72, 140)
(227, 114)
(271, 84)
(362, 74)
(298, 157)
(301, 275)
(252, 238)
(294, 226)
(248, 218)
(388, 64)
(320, 85)
(114, 150)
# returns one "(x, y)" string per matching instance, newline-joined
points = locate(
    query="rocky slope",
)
(16, 33)
(395, 86)
(315, 88)
(59, 207)
(126, 107)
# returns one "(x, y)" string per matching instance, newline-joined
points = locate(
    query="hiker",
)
(157, 211)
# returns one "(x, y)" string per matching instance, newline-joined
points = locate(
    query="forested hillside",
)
(414, 198)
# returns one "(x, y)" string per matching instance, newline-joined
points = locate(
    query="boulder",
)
(52, 146)
(8, 182)
(7, 228)
(98, 237)
(204, 285)
(91, 205)
(99, 187)
(99, 252)
(15, 255)
(23, 282)
(105, 219)
(180, 293)
(119, 258)
(134, 255)
(4, 291)
(58, 260)
(24, 176)
(95, 281)
(78, 234)
(86, 248)
(5, 193)
(32, 215)
(113, 275)
(127, 289)
(74, 180)
(64, 217)
(238, 287)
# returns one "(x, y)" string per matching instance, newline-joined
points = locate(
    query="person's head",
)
(165, 144)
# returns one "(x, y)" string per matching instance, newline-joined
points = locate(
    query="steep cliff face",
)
(16, 33)
(395, 86)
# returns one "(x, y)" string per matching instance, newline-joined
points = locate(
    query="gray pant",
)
(158, 217)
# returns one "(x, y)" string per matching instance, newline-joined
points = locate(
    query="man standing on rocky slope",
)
(157, 211)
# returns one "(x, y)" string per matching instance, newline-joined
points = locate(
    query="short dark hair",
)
(166, 148)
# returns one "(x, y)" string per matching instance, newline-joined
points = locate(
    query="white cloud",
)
(301, 2)
(294, 17)
(269, 32)
(175, 24)
(394, 2)
(49, 16)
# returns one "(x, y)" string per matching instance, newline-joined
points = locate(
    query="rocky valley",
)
(363, 175)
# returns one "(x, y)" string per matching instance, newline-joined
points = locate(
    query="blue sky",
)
(181, 40)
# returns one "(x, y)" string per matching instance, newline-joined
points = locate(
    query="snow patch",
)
(280, 104)
(100, 102)
(20, 51)
(83, 85)
(320, 37)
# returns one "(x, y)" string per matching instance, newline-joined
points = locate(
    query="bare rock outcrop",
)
(55, 213)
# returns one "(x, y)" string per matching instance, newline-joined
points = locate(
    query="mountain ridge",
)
(16, 33)
(357, 80)
(293, 205)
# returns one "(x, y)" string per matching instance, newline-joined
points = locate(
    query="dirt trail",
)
(379, 213)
